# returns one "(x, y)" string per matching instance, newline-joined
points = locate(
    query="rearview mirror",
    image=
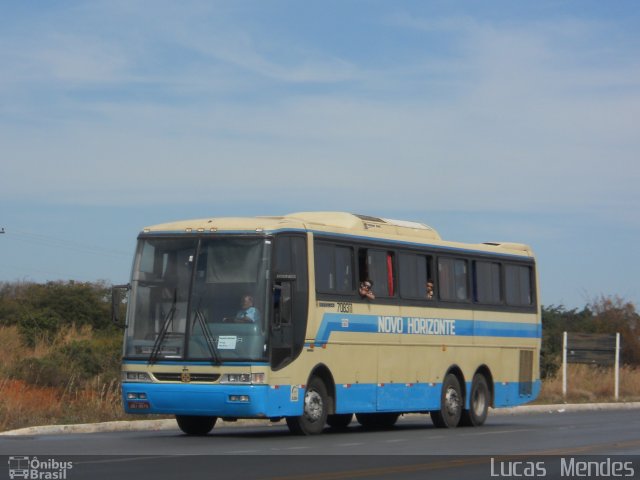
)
(119, 297)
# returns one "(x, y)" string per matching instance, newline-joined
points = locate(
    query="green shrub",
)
(35, 325)
(41, 310)
(76, 362)
(49, 371)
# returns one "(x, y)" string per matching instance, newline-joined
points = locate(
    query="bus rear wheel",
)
(479, 400)
(195, 425)
(314, 415)
(451, 403)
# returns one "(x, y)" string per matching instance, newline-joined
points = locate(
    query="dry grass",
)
(44, 346)
(586, 384)
(11, 348)
(23, 404)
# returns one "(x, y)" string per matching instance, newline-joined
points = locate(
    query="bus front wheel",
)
(314, 416)
(451, 404)
(195, 425)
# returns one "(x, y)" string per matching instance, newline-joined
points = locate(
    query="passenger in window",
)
(247, 313)
(366, 290)
(429, 288)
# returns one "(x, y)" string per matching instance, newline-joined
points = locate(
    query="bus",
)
(315, 317)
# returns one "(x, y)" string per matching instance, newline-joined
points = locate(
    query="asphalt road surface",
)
(604, 444)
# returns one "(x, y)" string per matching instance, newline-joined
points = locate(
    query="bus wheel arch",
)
(318, 403)
(322, 372)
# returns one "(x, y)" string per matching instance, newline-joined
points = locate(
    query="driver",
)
(247, 313)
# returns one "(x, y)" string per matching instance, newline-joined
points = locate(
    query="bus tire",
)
(377, 420)
(195, 425)
(479, 400)
(451, 403)
(314, 416)
(339, 420)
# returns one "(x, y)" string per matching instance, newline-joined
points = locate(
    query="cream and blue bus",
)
(270, 318)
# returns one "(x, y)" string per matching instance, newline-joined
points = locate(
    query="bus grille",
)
(193, 377)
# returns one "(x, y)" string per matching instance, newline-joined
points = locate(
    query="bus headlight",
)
(140, 377)
(136, 396)
(243, 378)
(239, 398)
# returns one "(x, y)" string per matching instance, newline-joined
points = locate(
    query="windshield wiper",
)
(157, 345)
(211, 341)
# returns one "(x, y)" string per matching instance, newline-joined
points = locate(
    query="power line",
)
(54, 242)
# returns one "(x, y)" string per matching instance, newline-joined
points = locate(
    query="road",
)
(505, 446)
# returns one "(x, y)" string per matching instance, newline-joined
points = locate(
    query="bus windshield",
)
(200, 299)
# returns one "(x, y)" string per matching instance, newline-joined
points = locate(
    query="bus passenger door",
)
(290, 301)
(282, 325)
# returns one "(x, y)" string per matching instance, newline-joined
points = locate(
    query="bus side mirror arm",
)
(118, 294)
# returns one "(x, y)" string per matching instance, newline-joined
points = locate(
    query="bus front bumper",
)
(236, 401)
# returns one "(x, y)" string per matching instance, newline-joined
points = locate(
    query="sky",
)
(489, 121)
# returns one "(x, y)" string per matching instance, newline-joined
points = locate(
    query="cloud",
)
(518, 117)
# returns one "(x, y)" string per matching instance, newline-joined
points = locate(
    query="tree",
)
(555, 321)
(40, 310)
(602, 315)
(614, 314)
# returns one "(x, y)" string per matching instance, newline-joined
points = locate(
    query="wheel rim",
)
(313, 406)
(452, 401)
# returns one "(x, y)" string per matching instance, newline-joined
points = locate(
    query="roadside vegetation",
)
(590, 383)
(61, 354)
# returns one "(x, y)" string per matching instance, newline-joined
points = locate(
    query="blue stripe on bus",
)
(419, 397)
(338, 322)
(286, 400)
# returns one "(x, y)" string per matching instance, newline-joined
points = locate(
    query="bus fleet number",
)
(345, 307)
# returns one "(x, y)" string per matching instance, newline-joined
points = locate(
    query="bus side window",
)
(453, 279)
(334, 268)
(415, 272)
(518, 285)
(487, 285)
(377, 267)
